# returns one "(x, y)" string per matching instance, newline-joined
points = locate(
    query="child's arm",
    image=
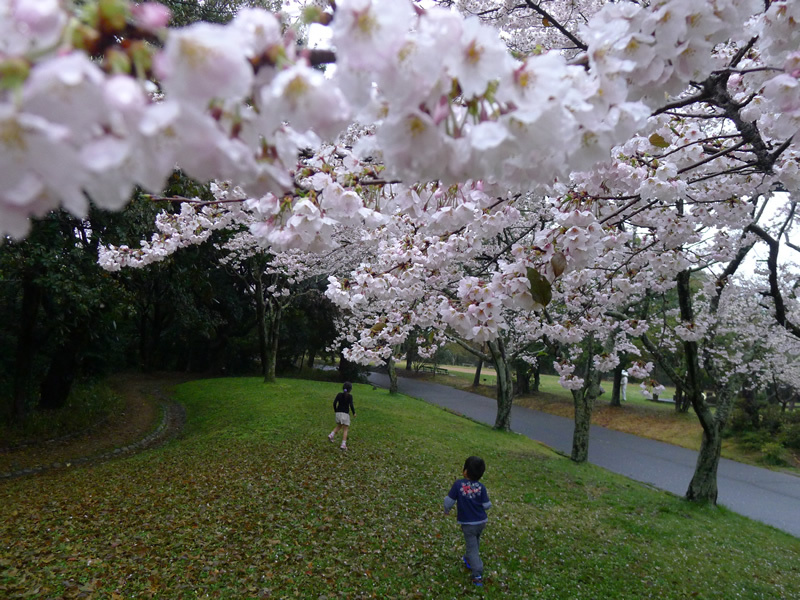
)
(450, 499)
(487, 504)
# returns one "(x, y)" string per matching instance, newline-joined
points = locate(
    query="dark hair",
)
(475, 467)
(347, 386)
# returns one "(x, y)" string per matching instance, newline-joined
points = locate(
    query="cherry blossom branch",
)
(667, 108)
(787, 221)
(774, 287)
(192, 201)
(731, 171)
(754, 70)
(742, 52)
(483, 356)
(532, 5)
(728, 272)
(318, 56)
(634, 201)
(654, 351)
(712, 157)
(703, 116)
(696, 142)
(379, 181)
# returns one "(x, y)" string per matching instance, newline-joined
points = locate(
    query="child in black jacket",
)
(342, 405)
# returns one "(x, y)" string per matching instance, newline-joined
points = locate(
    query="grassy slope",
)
(254, 502)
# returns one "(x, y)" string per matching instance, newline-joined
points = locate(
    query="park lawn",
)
(252, 501)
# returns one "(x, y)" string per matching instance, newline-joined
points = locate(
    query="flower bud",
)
(13, 73)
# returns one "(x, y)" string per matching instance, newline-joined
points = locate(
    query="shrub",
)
(772, 419)
(773, 453)
(791, 433)
(740, 421)
(753, 440)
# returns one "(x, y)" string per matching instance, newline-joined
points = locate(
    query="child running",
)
(473, 502)
(342, 405)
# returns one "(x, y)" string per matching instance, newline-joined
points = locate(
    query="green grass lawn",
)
(252, 501)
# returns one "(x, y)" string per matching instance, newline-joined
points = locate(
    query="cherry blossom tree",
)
(274, 280)
(655, 132)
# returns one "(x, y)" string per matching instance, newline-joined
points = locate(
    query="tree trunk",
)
(477, 380)
(31, 299)
(505, 390)
(56, 385)
(523, 378)
(703, 487)
(682, 402)
(392, 375)
(159, 321)
(616, 390)
(411, 353)
(261, 320)
(536, 378)
(273, 335)
(143, 344)
(583, 401)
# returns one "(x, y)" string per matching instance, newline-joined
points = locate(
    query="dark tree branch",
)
(696, 142)
(743, 51)
(533, 6)
(712, 157)
(690, 349)
(680, 103)
(774, 287)
(482, 355)
(729, 271)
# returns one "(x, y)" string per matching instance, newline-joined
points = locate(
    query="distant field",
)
(637, 416)
(549, 384)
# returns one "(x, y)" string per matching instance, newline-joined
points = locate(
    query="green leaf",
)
(113, 14)
(541, 290)
(314, 14)
(658, 141)
(559, 263)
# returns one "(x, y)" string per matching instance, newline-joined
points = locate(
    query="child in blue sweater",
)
(473, 502)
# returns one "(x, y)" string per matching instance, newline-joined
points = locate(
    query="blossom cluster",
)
(473, 187)
(447, 101)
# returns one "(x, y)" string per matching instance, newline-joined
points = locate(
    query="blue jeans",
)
(472, 538)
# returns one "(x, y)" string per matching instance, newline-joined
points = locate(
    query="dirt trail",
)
(149, 418)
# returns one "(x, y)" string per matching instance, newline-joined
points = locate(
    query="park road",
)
(767, 496)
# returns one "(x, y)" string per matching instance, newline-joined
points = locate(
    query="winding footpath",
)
(767, 496)
(168, 425)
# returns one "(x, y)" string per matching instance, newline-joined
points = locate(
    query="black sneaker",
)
(478, 581)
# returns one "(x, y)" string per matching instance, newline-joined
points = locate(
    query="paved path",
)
(767, 496)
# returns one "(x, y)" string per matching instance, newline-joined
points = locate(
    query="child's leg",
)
(345, 428)
(472, 537)
(335, 431)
